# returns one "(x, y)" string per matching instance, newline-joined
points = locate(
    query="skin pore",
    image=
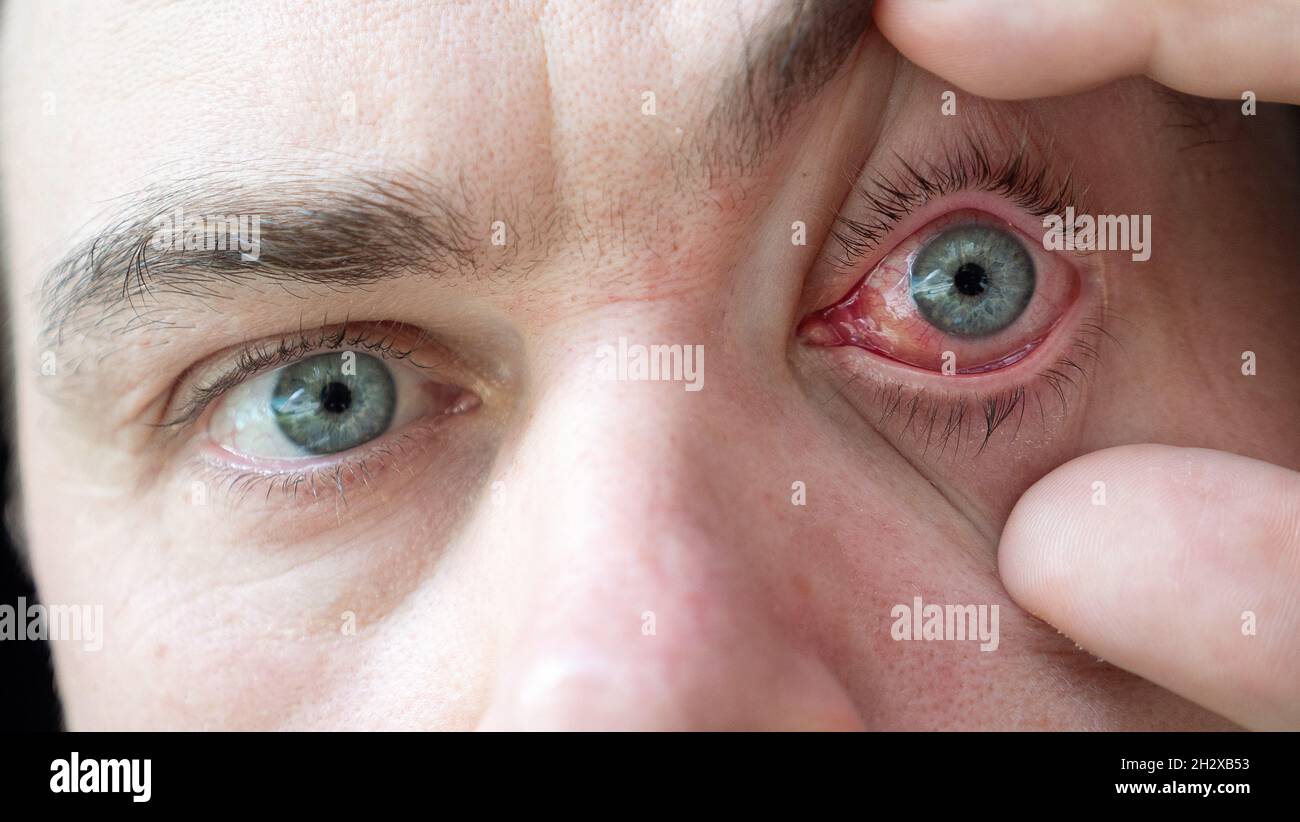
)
(494, 566)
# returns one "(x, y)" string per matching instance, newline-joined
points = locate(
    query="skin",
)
(1197, 531)
(500, 573)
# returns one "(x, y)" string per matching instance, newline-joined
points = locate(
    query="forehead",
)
(542, 95)
(552, 115)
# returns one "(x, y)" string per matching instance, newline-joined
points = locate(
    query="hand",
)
(1181, 566)
(1014, 49)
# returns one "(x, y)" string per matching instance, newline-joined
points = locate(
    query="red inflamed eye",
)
(967, 294)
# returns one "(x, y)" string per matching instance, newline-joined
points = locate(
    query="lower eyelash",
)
(316, 483)
(935, 420)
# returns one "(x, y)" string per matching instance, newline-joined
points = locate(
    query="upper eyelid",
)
(259, 357)
(1032, 184)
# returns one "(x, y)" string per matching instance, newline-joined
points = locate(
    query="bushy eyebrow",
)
(342, 232)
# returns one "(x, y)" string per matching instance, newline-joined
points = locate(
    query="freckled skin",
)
(432, 601)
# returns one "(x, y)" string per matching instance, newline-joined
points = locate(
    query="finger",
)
(1181, 565)
(1016, 49)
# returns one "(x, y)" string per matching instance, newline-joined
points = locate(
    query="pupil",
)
(335, 397)
(971, 279)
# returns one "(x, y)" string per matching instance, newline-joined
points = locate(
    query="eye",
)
(966, 294)
(323, 410)
(972, 281)
(326, 404)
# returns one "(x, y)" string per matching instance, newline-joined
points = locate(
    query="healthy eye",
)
(326, 404)
(966, 294)
(972, 281)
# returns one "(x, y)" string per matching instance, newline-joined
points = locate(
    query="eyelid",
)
(204, 383)
(302, 480)
(1016, 176)
(934, 410)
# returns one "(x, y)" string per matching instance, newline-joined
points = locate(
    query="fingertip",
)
(1156, 558)
(1019, 49)
(1057, 525)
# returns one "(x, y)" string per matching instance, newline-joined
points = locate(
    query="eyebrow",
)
(184, 239)
(786, 62)
(355, 231)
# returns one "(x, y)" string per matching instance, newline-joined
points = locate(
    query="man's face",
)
(399, 467)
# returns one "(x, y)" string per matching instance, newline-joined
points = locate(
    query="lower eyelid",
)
(331, 479)
(963, 414)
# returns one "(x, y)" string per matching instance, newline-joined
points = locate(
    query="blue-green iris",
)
(333, 402)
(972, 281)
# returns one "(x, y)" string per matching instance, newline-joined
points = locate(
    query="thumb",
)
(1014, 49)
(1180, 565)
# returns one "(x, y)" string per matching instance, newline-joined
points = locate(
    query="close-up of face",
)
(583, 365)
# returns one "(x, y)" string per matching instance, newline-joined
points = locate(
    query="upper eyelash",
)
(256, 358)
(890, 198)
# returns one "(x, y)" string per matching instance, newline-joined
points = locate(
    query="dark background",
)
(26, 680)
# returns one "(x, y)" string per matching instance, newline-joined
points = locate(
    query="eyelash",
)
(257, 358)
(890, 198)
(923, 412)
(388, 451)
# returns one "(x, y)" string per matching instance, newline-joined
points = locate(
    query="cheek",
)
(213, 634)
(873, 536)
(878, 539)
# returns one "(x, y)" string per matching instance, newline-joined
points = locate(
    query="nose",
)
(645, 545)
